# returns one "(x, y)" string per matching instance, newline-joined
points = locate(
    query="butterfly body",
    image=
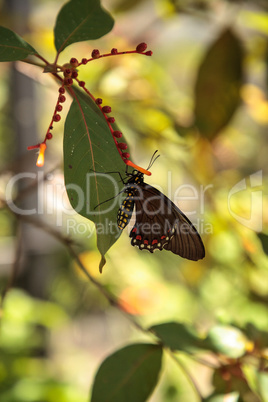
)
(126, 210)
(160, 224)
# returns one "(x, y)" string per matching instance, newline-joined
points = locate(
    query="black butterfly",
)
(160, 224)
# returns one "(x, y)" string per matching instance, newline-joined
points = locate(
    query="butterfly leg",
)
(109, 199)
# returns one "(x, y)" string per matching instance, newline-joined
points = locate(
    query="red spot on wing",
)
(145, 242)
(155, 241)
(138, 237)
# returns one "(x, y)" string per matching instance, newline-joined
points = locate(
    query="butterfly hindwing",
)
(160, 224)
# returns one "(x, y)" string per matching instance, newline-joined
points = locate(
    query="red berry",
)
(62, 98)
(114, 51)
(74, 62)
(56, 117)
(61, 90)
(49, 136)
(141, 47)
(111, 119)
(82, 83)
(59, 108)
(122, 145)
(149, 53)
(117, 134)
(98, 101)
(84, 61)
(95, 54)
(106, 109)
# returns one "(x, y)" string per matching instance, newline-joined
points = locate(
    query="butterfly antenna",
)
(153, 159)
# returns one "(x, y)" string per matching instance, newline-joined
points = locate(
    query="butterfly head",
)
(135, 177)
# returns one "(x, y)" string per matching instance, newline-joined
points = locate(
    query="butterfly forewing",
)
(161, 225)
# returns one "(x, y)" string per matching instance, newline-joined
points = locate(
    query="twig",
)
(187, 374)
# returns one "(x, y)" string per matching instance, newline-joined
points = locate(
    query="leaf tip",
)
(102, 263)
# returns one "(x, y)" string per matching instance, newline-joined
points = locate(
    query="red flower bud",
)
(114, 51)
(67, 72)
(117, 134)
(62, 98)
(59, 108)
(122, 145)
(98, 101)
(56, 117)
(149, 53)
(74, 62)
(95, 54)
(111, 120)
(49, 136)
(61, 90)
(84, 61)
(141, 47)
(68, 81)
(74, 74)
(81, 83)
(106, 109)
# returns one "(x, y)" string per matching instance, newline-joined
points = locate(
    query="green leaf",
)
(89, 149)
(130, 374)
(81, 20)
(177, 336)
(227, 340)
(251, 375)
(263, 385)
(217, 89)
(13, 47)
(264, 241)
(259, 337)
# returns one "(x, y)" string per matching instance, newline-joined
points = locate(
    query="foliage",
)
(190, 318)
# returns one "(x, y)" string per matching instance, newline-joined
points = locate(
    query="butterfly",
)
(160, 224)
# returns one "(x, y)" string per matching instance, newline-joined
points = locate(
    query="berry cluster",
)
(95, 54)
(70, 74)
(121, 146)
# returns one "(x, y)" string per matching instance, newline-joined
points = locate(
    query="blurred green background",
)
(201, 100)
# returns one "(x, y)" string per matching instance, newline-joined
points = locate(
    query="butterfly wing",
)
(160, 224)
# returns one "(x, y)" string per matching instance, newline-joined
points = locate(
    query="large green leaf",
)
(130, 374)
(89, 149)
(217, 89)
(81, 20)
(13, 47)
